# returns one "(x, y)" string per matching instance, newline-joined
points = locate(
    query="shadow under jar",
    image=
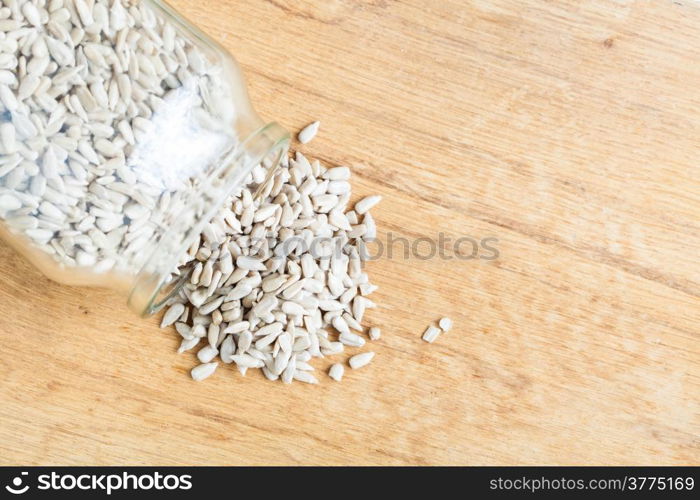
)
(123, 130)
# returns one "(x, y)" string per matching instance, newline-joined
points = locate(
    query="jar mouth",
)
(154, 287)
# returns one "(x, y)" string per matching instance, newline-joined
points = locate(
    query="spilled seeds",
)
(278, 280)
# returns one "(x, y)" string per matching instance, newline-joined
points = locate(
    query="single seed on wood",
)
(309, 132)
(336, 372)
(360, 360)
(203, 371)
(188, 344)
(375, 333)
(431, 334)
(364, 205)
(445, 324)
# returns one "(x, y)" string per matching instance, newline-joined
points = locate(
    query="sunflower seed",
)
(266, 340)
(337, 174)
(31, 14)
(445, 324)
(304, 376)
(363, 206)
(241, 290)
(309, 132)
(351, 339)
(367, 289)
(332, 348)
(289, 371)
(247, 361)
(187, 344)
(207, 353)
(336, 372)
(184, 330)
(172, 315)
(213, 333)
(431, 334)
(228, 348)
(250, 264)
(9, 203)
(203, 371)
(199, 331)
(341, 325)
(360, 360)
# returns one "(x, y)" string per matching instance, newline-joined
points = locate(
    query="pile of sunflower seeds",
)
(279, 280)
(97, 97)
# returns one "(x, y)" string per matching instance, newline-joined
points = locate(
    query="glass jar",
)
(123, 129)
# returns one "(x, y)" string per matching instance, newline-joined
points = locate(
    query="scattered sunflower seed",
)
(445, 324)
(360, 360)
(336, 372)
(431, 334)
(363, 206)
(200, 372)
(309, 132)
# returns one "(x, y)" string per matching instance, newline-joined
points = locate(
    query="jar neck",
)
(186, 219)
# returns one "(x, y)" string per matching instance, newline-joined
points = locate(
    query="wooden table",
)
(569, 131)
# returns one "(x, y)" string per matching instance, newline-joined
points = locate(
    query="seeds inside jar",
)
(106, 108)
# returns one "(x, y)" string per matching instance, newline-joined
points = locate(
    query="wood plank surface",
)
(568, 131)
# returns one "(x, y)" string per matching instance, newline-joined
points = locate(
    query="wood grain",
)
(569, 131)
